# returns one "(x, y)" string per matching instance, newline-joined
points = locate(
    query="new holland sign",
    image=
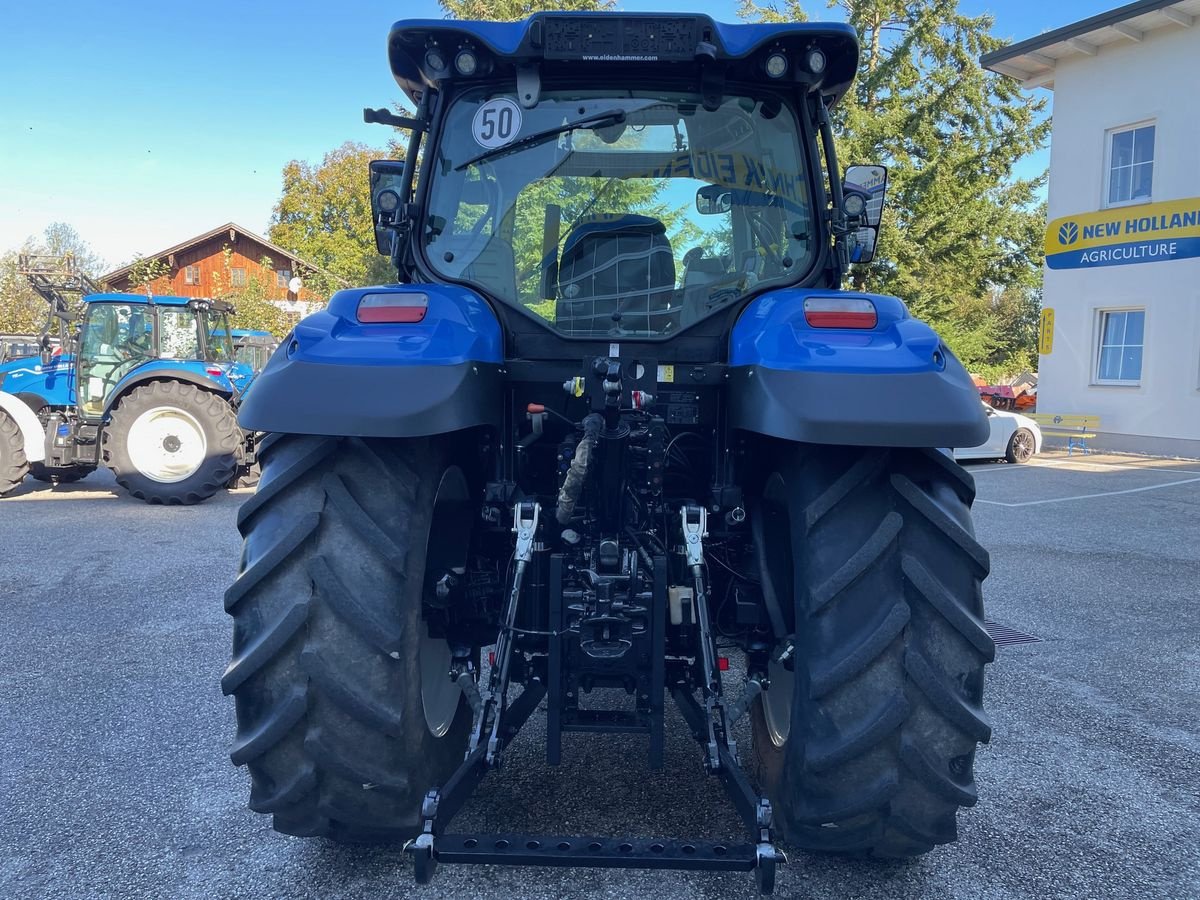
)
(1153, 232)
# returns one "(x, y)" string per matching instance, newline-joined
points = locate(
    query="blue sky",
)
(144, 125)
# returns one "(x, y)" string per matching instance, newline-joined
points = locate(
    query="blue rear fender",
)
(335, 375)
(893, 385)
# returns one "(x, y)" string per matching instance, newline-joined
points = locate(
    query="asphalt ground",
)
(115, 779)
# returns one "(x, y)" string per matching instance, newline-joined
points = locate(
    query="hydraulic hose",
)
(572, 487)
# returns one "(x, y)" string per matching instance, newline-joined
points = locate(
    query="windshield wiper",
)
(597, 120)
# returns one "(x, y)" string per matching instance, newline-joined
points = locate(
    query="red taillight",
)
(840, 312)
(392, 308)
(723, 663)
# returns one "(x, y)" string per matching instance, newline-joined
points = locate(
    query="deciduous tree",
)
(510, 10)
(324, 216)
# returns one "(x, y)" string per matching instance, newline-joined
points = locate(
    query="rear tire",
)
(13, 464)
(868, 747)
(173, 443)
(1021, 446)
(333, 722)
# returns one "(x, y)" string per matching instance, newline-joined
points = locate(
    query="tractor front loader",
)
(617, 404)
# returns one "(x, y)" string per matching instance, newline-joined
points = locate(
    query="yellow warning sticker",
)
(666, 374)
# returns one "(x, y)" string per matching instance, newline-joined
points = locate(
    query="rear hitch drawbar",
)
(708, 725)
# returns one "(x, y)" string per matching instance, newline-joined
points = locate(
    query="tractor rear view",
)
(148, 388)
(616, 407)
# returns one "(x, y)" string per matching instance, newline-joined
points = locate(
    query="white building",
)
(1123, 239)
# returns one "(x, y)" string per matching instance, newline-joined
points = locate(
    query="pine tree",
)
(958, 226)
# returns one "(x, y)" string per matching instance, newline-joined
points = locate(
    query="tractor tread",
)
(327, 614)
(368, 530)
(890, 652)
(925, 506)
(318, 450)
(360, 771)
(264, 647)
(302, 529)
(948, 702)
(862, 560)
(353, 700)
(890, 715)
(271, 729)
(867, 466)
(938, 595)
(851, 661)
(375, 626)
(964, 480)
(917, 761)
(14, 465)
(284, 795)
(848, 805)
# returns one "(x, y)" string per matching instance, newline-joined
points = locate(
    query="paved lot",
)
(114, 779)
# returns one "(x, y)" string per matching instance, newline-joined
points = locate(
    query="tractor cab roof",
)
(147, 300)
(425, 53)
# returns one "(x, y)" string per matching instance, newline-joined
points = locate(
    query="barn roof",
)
(232, 229)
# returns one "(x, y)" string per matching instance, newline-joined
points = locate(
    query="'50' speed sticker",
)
(496, 123)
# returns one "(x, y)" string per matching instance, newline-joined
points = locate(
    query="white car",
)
(1014, 437)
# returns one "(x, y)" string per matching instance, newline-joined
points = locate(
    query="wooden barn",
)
(217, 263)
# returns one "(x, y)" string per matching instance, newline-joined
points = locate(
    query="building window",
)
(191, 275)
(237, 277)
(282, 277)
(1119, 360)
(1130, 165)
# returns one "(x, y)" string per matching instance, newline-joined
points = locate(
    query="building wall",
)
(1125, 84)
(215, 270)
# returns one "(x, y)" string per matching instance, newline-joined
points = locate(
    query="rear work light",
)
(399, 308)
(839, 312)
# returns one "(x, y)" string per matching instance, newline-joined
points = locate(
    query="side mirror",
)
(863, 191)
(387, 176)
(713, 200)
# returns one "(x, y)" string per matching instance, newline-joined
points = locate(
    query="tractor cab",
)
(122, 333)
(622, 176)
(253, 348)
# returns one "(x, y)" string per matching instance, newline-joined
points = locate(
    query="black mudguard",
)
(917, 409)
(373, 400)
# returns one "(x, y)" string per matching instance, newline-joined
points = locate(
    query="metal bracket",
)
(529, 85)
(695, 530)
(525, 523)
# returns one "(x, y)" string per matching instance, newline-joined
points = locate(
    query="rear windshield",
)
(653, 214)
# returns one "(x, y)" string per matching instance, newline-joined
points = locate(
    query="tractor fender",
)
(169, 370)
(27, 421)
(335, 375)
(48, 385)
(892, 385)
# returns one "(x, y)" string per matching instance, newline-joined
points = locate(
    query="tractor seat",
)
(623, 262)
(700, 274)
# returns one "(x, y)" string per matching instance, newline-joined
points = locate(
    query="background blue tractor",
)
(616, 421)
(253, 348)
(150, 391)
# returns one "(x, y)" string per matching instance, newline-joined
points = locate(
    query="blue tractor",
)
(253, 348)
(150, 391)
(616, 421)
